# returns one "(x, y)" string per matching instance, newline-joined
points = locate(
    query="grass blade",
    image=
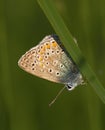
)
(66, 37)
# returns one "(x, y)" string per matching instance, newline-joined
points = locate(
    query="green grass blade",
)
(67, 39)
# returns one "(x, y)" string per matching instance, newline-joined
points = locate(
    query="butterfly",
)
(50, 60)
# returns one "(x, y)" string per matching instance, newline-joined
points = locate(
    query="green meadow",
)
(24, 98)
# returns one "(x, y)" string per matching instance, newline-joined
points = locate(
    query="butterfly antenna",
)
(56, 96)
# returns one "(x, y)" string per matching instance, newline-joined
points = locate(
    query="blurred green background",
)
(24, 98)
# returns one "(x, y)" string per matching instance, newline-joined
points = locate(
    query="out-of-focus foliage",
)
(24, 98)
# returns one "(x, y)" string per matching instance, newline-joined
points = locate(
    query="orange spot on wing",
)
(41, 64)
(42, 50)
(40, 58)
(54, 44)
(48, 46)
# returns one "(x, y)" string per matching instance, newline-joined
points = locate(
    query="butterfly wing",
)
(50, 61)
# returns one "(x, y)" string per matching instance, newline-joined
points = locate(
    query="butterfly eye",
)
(70, 86)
